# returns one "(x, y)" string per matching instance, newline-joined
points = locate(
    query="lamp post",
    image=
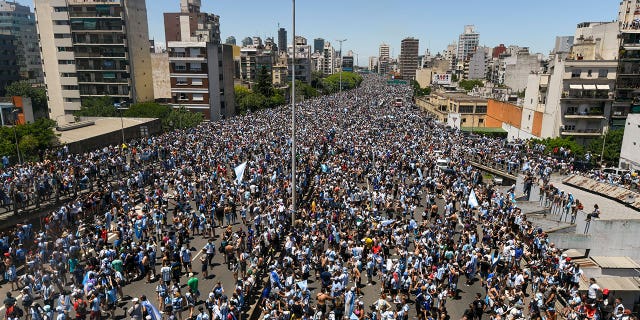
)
(119, 107)
(15, 133)
(604, 140)
(341, 41)
(293, 119)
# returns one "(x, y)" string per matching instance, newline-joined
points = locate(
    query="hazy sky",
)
(367, 23)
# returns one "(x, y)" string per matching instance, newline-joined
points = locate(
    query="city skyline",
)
(377, 22)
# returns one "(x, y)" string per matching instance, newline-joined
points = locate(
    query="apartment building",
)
(384, 59)
(471, 110)
(201, 68)
(17, 21)
(93, 48)
(408, 58)
(627, 94)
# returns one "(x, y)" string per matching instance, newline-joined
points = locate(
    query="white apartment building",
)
(630, 152)
(93, 48)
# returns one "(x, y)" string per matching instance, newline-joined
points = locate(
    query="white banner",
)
(240, 172)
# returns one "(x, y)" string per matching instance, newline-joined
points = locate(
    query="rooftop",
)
(101, 126)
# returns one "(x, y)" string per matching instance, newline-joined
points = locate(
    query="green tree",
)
(33, 139)
(263, 84)
(561, 142)
(612, 147)
(181, 118)
(350, 80)
(38, 96)
(468, 85)
(148, 110)
(97, 107)
(418, 91)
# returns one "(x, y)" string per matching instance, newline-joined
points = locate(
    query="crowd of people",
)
(373, 209)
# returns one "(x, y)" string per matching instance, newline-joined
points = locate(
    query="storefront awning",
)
(575, 86)
(589, 87)
(602, 86)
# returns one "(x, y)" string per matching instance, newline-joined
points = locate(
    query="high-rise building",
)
(201, 68)
(230, 40)
(627, 95)
(318, 45)
(10, 70)
(383, 59)
(302, 61)
(563, 44)
(282, 39)
(329, 58)
(373, 64)
(408, 58)
(93, 48)
(497, 51)
(247, 41)
(467, 43)
(19, 22)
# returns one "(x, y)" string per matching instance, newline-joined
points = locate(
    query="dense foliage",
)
(468, 85)
(350, 80)
(38, 96)
(418, 91)
(612, 147)
(33, 139)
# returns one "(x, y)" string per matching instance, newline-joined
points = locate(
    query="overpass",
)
(499, 169)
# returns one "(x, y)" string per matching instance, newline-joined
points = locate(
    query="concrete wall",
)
(630, 153)
(161, 79)
(424, 76)
(604, 237)
(139, 52)
(115, 137)
(517, 74)
(499, 112)
(551, 120)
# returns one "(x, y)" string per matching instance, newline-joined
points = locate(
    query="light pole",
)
(15, 133)
(119, 107)
(293, 119)
(604, 140)
(341, 41)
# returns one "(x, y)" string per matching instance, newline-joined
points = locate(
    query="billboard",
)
(453, 120)
(441, 79)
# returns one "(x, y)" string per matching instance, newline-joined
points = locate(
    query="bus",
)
(398, 102)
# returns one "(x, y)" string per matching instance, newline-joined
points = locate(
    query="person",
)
(136, 311)
(80, 308)
(593, 291)
(202, 315)
(595, 213)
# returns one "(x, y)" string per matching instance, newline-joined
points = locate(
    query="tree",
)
(350, 80)
(148, 110)
(612, 147)
(468, 85)
(37, 95)
(97, 107)
(418, 91)
(33, 139)
(561, 142)
(181, 118)
(263, 84)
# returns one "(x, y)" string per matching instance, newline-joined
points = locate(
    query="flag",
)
(420, 173)
(152, 310)
(239, 170)
(526, 166)
(385, 223)
(325, 168)
(302, 285)
(473, 201)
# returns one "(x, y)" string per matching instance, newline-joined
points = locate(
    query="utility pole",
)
(341, 41)
(293, 120)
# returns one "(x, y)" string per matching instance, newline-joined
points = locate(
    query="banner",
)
(473, 201)
(239, 170)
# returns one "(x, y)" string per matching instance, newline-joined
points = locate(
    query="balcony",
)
(581, 132)
(594, 113)
(94, 14)
(182, 56)
(599, 94)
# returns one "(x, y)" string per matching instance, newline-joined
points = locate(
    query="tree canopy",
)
(468, 85)
(33, 139)
(418, 91)
(38, 96)
(350, 80)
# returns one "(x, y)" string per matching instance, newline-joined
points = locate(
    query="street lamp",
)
(604, 140)
(118, 106)
(293, 119)
(341, 41)
(15, 132)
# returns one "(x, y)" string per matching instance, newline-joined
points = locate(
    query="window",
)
(65, 49)
(589, 73)
(570, 127)
(465, 109)
(180, 67)
(68, 75)
(196, 82)
(62, 35)
(603, 73)
(60, 9)
(66, 62)
(69, 87)
(198, 97)
(61, 22)
(480, 120)
(575, 73)
(181, 81)
(464, 120)
(183, 96)
(196, 66)
(481, 109)
(71, 99)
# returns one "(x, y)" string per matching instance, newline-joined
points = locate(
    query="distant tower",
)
(318, 45)
(409, 58)
(282, 39)
(190, 6)
(231, 40)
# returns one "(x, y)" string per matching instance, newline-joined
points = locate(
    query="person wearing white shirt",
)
(592, 292)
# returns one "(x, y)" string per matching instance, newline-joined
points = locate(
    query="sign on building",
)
(442, 79)
(453, 120)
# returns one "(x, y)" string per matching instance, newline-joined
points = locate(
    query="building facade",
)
(9, 70)
(471, 110)
(18, 21)
(282, 39)
(409, 58)
(93, 48)
(383, 59)
(630, 152)
(627, 94)
(318, 44)
(468, 41)
(201, 68)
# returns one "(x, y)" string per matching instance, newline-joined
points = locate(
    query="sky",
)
(368, 23)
